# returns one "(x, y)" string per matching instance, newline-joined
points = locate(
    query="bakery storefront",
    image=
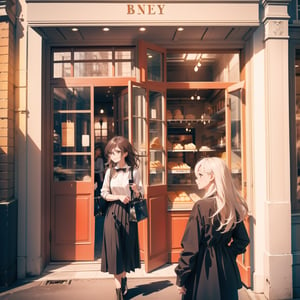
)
(176, 78)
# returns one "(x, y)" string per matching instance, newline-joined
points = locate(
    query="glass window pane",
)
(156, 103)
(92, 55)
(72, 132)
(71, 98)
(124, 54)
(61, 70)
(61, 56)
(96, 69)
(124, 69)
(139, 119)
(125, 129)
(157, 169)
(236, 159)
(125, 106)
(72, 167)
(154, 65)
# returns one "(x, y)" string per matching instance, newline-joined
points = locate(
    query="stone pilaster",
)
(278, 258)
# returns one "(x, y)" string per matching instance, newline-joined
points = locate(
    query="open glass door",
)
(236, 159)
(152, 65)
(72, 218)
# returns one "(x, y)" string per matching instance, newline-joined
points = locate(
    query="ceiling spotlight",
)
(105, 29)
(192, 97)
(75, 29)
(199, 64)
(196, 68)
(142, 29)
(180, 29)
(198, 97)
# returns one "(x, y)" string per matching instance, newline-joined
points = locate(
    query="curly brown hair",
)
(125, 146)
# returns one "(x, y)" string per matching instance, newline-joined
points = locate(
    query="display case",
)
(196, 129)
(184, 125)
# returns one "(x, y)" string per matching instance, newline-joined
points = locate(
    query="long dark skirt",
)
(120, 248)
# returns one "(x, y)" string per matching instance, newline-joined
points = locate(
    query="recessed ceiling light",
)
(75, 29)
(180, 29)
(105, 29)
(142, 29)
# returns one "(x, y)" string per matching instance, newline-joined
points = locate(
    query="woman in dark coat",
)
(215, 234)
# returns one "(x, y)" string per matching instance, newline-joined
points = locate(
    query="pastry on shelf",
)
(178, 114)
(183, 196)
(178, 197)
(155, 144)
(190, 116)
(172, 165)
(169, 115)
(177, 146)
(172, 196)
(190, 146)
(205, 148)
(155, 164)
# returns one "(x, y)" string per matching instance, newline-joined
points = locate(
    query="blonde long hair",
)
(231, 207)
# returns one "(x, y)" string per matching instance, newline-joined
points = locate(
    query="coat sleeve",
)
(190, 244)
(240, 239)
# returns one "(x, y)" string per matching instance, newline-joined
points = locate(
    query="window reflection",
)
(72, 167)
(114, 62)
(154, 65)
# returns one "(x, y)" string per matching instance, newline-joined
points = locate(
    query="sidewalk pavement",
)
(84, 281)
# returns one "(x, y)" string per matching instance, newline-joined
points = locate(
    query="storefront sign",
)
(67, 130)
(145, 9)
(208, 13)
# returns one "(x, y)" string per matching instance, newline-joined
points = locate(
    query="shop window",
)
(203, 66)
(71, 134)
(111, 62)
(154, 65)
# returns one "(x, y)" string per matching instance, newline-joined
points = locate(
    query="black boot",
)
(119, 294)
(124, 286)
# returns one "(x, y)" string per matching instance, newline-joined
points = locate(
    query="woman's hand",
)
(124, 199)
(181, 290)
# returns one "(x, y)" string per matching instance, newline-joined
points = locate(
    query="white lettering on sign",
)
(145, 9)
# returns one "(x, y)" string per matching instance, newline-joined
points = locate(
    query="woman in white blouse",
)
(120, 250)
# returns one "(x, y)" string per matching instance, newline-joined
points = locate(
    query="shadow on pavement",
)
(147, 289)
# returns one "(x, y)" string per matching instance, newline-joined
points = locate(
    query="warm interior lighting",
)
(142, 29)
(180, 29)
(105, 29)
(75, 29)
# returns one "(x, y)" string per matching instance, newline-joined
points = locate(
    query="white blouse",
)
(119, 184)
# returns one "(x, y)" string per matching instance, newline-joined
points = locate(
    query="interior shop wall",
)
(228, 68)
(186, 73)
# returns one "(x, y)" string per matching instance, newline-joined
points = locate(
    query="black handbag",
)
(138, 210)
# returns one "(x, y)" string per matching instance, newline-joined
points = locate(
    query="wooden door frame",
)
(244, 260)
